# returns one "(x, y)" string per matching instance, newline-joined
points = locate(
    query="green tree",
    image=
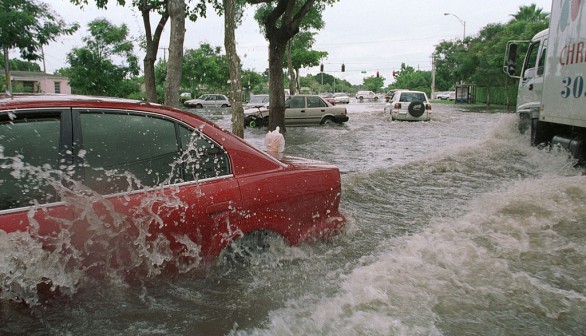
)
(374, 83)
(205, 69)
(253, 82)
(479, 59)
(302, 56)
(152, 36)
(28, 25)
(409, 78)
(92, 69)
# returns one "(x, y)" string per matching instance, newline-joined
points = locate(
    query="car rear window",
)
(412, 97)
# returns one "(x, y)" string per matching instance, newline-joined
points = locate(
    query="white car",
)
(360, 95)
(409, 105)
(341, 98)
(259, 100)
(300, 110)
(208, 100)
(445, 95)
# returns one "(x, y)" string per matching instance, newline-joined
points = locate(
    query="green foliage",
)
(27, 25)
(374, 83)
(92, 69)
(479, 59)
(254, 82)
(409, 78)
(205, 70)
(328, 84)
(301, 55)
(20, 65)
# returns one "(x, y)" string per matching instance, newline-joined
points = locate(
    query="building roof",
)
(32, 75)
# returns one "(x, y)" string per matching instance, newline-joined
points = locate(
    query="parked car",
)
(300, 110)
(259, 100)
(110, 179)
(341, 98)
(409, 105)
(445, 95)
(329, 97)
(183, 96)
(208, 100)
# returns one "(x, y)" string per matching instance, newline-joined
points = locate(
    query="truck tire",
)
(416, 109)
(539, 133)
(524, 123)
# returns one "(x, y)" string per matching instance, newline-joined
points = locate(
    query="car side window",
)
(123, 152)
(297, 102)
(315, 102)
(201, 157)
(29, 148)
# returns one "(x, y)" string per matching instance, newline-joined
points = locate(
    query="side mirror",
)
(510, 63)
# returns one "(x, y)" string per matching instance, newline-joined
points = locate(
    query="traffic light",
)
(321, 68)
(343, 67)
(394, 73)
(377, 74)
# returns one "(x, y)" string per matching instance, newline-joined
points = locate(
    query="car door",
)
(171, 182)
(34, 170)
(295, 111)
(316, 109)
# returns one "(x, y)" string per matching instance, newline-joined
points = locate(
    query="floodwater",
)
(456, 227)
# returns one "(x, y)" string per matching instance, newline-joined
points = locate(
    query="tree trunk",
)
(290, 68)
(234, 68)
(298, 83)
(176, 10)
(152, 47)
(276, 87)
(7, 72)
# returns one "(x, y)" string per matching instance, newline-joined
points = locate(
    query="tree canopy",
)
(479, 59)
(28, 25)
(93, 69)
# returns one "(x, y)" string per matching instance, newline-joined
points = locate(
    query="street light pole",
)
(462, 22)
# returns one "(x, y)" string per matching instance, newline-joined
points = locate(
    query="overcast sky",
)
(366, 35)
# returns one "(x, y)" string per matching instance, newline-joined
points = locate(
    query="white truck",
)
(552, 91)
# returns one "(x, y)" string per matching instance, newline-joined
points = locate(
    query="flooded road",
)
(456, 227)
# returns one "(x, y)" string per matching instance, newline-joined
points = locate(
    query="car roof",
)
(409, 91)
(62, 101)
(44, 101)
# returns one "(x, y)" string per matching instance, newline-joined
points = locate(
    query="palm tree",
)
(530, 14)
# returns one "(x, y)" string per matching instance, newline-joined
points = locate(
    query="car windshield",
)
(412, 97)
(203, 97)
(259, 99)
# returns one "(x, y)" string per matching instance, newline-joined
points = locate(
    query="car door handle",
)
(302, 110)
(217, 208)
(530, 87)
(323, 110)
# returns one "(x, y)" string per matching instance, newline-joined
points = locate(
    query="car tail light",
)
(428, 107)
(397, 105)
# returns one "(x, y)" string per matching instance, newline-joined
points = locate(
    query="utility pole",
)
(433, 76)
(164, 54)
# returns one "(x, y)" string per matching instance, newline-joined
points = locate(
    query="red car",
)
(117, 181)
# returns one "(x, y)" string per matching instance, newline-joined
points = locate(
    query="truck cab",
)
(531, 79)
